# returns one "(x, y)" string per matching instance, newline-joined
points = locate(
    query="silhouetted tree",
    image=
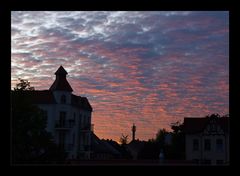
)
(217, 116)
(177, 127)
(30, 141)
(150, 150)
(124, 139)
(152, 147)
(177, 148)
(160, 137)
(24, 85)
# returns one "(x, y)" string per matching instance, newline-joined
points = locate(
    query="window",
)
(84, 120)
(219, 145)
(73, 139)
(45, 114)
(62, 118)
(80, 120)
(63, 99)
(71, 123)
(207, 145)
(84, 139)
(61, 140)
(195, 145)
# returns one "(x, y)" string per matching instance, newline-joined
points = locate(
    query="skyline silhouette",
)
(147, 68)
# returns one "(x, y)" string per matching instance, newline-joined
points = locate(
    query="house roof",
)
(61, 71)
(197, 125)
(110, 147)
(224, 123)
(102, 146)
(40, 96)
(43, 97)
(96, 144)
(47, 97)
(136, 145)
(81, 102)
(62, 85)
(61, 82)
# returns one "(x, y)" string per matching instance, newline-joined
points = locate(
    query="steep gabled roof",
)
(61, 82)
(81, 102)
(62, 85)
(61, 71)
(197, 125)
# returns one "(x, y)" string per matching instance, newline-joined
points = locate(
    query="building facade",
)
(207, 140)
(68, 116)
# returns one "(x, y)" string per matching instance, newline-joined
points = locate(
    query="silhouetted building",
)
(68, 116)
(135, 147)
(207, 140)
(103, 149)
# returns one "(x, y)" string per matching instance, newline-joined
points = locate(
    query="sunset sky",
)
(148, 68)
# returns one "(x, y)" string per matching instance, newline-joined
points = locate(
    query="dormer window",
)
(63, 99)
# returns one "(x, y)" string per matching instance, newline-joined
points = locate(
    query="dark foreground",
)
(119, 162)
(128, 162)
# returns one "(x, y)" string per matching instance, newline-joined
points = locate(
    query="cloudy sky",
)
(148, 68)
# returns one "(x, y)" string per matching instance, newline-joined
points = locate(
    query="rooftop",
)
(61, 82)
(197, 125)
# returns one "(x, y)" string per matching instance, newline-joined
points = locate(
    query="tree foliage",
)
(153, 147)
(30, 141)
(24, 85)
(217, 116)
(173, 150)
(177, 127)
(160, 136)
(124, 139)
(177, 148)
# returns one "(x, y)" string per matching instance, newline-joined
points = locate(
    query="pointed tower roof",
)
(61, 71)
(61, 82)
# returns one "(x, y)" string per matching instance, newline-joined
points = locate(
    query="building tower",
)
(133, 132)
(61, 83)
